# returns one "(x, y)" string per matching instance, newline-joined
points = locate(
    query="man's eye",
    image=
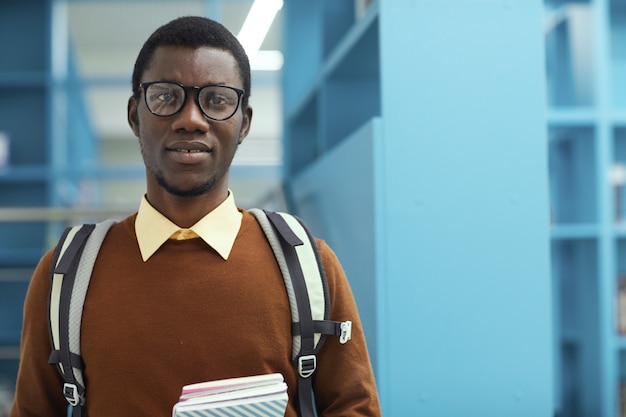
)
(165, 97)
(217, 101)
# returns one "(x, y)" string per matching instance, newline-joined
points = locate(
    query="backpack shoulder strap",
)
(71, 269)
(300, 263)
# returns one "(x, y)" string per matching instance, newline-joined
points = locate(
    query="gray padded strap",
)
(79, 290)
(83, 275)
(310, 268)
(273, 239)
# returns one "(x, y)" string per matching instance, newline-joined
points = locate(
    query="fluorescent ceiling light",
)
(265, 60)
(257, 24)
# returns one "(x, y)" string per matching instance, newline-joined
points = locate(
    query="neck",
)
(186, 211)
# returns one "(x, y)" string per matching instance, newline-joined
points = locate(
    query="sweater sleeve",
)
(39, 385)
(344, 382)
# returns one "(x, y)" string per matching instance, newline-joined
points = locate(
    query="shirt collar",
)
(218, 228)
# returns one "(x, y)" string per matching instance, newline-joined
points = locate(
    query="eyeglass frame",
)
(186, 88)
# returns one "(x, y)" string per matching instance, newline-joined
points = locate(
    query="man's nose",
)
(190, 117)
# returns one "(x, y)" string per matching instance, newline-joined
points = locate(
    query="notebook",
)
(255, 396)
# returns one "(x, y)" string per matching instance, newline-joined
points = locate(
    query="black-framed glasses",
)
(217, 102)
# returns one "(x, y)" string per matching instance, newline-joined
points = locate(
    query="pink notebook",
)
(260, 395)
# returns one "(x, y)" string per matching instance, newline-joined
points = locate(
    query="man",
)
(187, 289)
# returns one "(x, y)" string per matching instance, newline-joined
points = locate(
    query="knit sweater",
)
(185, 316)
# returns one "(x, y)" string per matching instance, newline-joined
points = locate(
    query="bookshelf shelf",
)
(586, 67)
(20, 174)
(351, 40)
(570, 339)
(20, 79)
(571, 117)
(574, 231)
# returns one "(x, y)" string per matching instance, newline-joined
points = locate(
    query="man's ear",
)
(245, 124)
(133, 119)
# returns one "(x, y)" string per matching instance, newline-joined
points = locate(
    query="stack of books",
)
(257, 396)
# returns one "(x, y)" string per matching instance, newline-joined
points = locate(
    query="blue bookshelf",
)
(49, 151)
(25, 94)
(586, 73)
(414, 144)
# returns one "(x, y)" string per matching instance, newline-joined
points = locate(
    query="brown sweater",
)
(187, 316)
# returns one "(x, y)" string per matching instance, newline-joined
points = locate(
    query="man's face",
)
(188, 154)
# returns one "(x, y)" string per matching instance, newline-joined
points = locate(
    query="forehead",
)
(193, 66)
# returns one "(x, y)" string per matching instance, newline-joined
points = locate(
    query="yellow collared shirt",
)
(218, 228)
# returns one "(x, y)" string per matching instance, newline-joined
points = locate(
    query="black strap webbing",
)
(305, 405)
(72, 253)
(76, 361)
(305, 327)
(68, 265)
(325, 327)
(288, 243)
(283, 229)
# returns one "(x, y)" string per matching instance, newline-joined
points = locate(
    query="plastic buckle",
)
(346, 332)
(307, 365)
(70, 391)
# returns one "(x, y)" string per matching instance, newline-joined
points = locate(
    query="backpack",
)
(297, 256)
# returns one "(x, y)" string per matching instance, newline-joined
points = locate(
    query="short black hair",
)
(193, 32)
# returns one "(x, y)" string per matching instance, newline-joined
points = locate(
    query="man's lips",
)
(189, 152)
(189, 147)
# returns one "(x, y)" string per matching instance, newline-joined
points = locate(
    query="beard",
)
(194, 191)
(178, 192)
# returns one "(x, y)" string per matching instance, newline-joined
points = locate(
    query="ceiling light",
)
(257, 24)
(267, 60)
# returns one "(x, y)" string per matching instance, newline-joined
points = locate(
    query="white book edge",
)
(187, 406)
(229, 384)
(254, 392)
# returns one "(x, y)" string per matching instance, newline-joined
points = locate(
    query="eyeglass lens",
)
(217, 102)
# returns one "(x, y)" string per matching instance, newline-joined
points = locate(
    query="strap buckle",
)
(70, 391)
(346, 332)
(307, 365)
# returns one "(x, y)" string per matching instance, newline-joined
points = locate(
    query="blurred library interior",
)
(465, 159)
